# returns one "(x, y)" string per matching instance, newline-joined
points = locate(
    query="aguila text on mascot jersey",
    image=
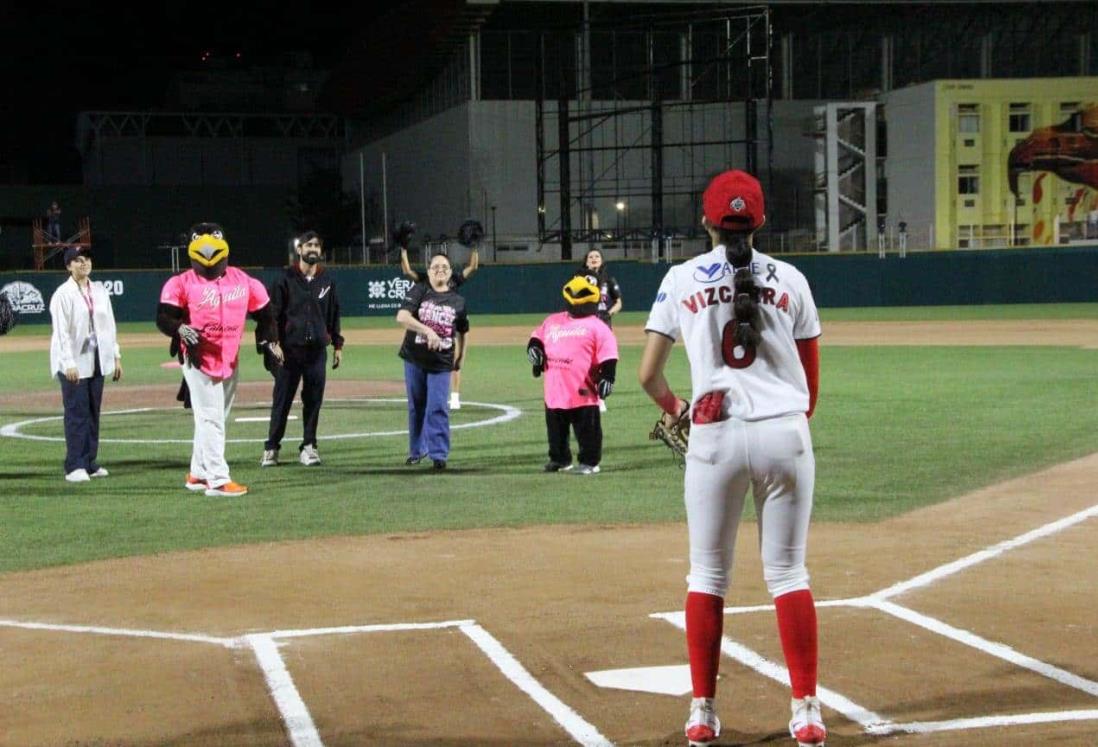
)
(204, 311)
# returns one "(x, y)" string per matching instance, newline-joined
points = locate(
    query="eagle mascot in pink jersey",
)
(203, 310)
(578, 355)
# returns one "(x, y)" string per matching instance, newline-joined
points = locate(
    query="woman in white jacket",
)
(83, 349)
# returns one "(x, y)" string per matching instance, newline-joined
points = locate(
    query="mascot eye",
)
(218, 235)
(194, 237)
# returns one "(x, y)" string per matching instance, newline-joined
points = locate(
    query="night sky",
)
(69, 57)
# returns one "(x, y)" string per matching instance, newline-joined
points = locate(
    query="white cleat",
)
(807, 725)
(703, 727)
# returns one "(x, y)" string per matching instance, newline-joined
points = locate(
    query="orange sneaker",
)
(230, 489)
(194, 483)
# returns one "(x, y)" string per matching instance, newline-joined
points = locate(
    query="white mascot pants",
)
(211, 401)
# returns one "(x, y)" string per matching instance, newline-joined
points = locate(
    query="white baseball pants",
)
(211, 401)
(774, 458)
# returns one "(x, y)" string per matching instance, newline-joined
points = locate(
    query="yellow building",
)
(1000, 162)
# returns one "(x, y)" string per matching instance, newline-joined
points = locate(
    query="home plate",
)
(672, 680)
(262, 419)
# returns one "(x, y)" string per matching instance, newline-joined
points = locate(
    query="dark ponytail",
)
(746, 308)
(737, 247)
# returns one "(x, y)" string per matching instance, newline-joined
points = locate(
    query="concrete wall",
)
(428, 176)
(910, 166)
(460, 163)
(193, 161)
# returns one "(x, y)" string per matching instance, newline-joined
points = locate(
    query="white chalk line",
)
(348, 629)
(292, 708)
(295, 714)
(580, 730)
(994, 551)
(14, 430)
(985, 722)
(875, 724)
(992, 648)
(124, 632)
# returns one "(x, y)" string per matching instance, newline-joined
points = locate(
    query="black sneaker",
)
(440, 464)
(557, 467)
(413, 460)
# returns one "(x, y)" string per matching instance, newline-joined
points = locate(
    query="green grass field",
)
(896, 428)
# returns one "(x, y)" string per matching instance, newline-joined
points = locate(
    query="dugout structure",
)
(624, 152)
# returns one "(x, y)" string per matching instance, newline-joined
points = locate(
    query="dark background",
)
(63, 58)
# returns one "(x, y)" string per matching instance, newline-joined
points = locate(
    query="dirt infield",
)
(251, 645)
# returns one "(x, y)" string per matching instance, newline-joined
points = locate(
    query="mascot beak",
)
(208, 250)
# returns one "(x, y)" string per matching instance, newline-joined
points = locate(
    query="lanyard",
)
(90, 303)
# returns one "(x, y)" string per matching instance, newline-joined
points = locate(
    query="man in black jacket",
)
(306, 306)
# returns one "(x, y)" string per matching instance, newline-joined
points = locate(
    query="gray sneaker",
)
(586, 469)
(309, 456)
(270, 458)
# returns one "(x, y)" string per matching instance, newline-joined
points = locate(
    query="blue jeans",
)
(428, 412)
(82, 404)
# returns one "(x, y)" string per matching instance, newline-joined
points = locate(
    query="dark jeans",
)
(587, 424)
(428, 412)
(308, 367)
(83, 401)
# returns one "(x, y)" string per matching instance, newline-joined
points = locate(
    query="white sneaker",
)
(455, 401)
(99, 473)
(586, 469)
(270, 458)
(703, 727)
(78, 475)
(309, 456)
(807, 725)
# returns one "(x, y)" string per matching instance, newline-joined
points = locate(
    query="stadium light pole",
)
(493, 233)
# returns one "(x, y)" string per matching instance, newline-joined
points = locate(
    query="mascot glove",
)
(188, 334)
(606, 388)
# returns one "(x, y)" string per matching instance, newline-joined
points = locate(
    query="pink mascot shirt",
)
(217, 309)
(573, 347)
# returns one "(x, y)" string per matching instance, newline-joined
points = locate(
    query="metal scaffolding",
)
(609, 134)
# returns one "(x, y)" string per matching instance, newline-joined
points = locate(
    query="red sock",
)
(704, 626)
(797, 628)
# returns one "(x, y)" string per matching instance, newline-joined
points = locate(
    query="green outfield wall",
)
(1048, 275)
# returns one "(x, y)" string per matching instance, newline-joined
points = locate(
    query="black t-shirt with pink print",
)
(445, 314)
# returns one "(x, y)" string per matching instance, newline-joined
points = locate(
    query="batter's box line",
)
(875, 724)
(295, 715)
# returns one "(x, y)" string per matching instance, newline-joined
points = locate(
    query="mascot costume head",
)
(208, 250)
(582, 296)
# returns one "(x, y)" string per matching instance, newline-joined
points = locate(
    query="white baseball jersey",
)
(695, 302)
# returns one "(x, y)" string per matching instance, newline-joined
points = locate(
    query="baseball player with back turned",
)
(750, 328)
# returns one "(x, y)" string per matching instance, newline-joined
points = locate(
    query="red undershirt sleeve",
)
(809, 352)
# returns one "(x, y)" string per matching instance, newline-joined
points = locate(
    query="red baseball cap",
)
(734, 201)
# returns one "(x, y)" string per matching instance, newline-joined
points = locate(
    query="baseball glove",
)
(8, 317)
(404, 233)
(470, 233)
(674, 432)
